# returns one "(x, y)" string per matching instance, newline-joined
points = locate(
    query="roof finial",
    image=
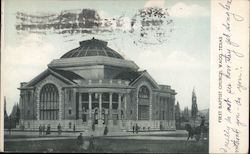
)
(194, 91)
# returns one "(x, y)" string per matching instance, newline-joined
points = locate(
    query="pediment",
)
(45, 74)
(145, 77)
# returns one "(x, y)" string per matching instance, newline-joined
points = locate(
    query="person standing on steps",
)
(40, 130)
(59, 129)
(93, 126)
(136, 128)
(106, 130)
(43, 129)
(48, 129)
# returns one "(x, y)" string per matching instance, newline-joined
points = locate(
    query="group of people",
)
(85, 145)
(105, 132)
(46, 131)
(135, 129)
(43, 130)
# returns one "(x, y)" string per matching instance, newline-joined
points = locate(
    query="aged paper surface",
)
(155, 76)
(229, 129)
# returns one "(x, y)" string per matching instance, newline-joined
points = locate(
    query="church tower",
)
(194, 109)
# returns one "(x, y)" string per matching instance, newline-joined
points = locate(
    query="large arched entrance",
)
(49, 102)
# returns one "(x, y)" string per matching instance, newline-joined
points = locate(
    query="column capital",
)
(96, 93)
(120, 94)
(100, 94)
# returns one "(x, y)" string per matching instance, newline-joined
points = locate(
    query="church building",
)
(94, 85)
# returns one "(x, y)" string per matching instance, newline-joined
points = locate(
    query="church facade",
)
(94, 85)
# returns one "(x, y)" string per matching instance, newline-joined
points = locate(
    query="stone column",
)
(168, 110)
(110, 121)
(174, 126)
(125, 106)
(37, 107)
(150, 106)
(119, 106)
(100, 121)
(80, 106)
(119, 109)
(137, 108)
(90, 110)
(60, 104)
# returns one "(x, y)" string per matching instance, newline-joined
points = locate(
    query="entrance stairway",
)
(99, 130)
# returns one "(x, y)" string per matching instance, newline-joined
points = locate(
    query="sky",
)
(179, 58)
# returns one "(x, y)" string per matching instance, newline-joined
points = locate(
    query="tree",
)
(6, 118)
(186, 114)
(17, 115)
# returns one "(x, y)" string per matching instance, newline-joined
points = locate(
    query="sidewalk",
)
(144, 137)
(34, 136)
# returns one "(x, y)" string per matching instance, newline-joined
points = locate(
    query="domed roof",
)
(93, 47)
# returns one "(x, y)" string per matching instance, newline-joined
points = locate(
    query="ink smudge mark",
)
(149, 26)
(153, 26)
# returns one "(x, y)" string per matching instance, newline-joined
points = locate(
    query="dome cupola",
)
(92, 47)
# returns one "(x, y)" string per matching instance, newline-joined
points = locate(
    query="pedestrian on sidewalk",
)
(79, 142)
(133, 129)
(91, 144)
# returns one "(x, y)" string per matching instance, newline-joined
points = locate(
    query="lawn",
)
(104, 145)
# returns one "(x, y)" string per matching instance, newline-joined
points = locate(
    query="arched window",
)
(143, 92)
(49, 102)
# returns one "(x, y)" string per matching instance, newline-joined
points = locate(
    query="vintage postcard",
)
(123, 76)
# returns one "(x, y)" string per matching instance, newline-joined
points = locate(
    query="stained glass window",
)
(143, 92)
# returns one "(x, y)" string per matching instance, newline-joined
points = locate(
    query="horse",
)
(196, 132)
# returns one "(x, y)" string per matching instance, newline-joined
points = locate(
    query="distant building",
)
(94, 85)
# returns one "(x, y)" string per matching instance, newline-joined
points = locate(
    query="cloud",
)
(176, 60)
(155, 3)
(22, 63)
(32, 50)
(181, 9)
(181, 71)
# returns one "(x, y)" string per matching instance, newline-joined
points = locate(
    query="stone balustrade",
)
(103, 82)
